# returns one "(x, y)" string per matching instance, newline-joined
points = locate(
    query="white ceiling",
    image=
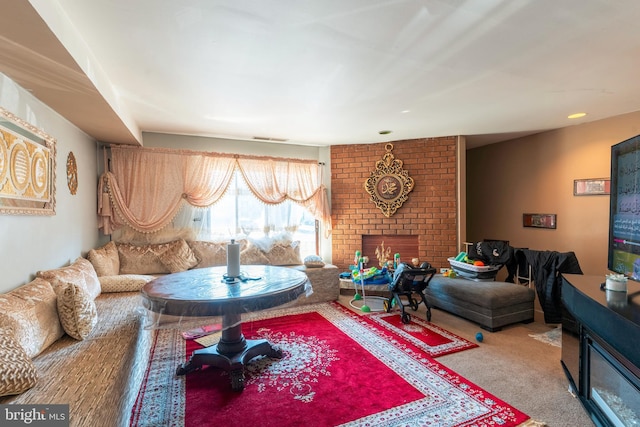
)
(324, 72)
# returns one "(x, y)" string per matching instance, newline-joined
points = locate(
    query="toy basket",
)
(474, 272)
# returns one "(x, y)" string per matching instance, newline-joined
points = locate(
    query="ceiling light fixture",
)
(576, 115)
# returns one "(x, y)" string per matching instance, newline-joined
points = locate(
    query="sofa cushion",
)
(124, 282)
(31, 312)
(77, 310)
(285, 253)
(143, 259)
(105, 260)
(17, 372)
(252, 255)
(209, 254)
(179, 257)
(81, 272)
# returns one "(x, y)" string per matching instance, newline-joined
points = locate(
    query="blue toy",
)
(479, 337)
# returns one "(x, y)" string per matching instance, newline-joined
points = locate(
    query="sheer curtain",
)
(147, 187)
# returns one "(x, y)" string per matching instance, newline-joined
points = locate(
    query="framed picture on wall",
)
(539, 220)
(591, 186)
(27, 168)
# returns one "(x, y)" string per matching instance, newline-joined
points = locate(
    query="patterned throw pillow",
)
(77, 310)
(252, 255)
(209, 254)
(179, 257)
(287, 253)
(81, 272)
(105, 260)
(313, 261)
(31, 312)
(143, 259)
(124, 282)
(17, 372)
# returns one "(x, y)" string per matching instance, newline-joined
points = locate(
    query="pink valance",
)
(147, 186)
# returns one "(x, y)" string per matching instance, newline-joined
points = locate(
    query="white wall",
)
(32, 243)
(255, 148)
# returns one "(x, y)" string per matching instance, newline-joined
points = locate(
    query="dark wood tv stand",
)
(600, 336)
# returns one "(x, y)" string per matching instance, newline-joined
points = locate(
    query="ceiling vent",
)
(266, 138)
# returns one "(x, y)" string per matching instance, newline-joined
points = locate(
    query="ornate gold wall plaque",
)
(27, 168)
(389, 185)
(72, 173)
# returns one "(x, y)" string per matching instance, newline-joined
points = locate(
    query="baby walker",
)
(406, 282)
(360, 275)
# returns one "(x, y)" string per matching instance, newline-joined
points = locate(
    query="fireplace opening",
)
(405, 245)
(612, 390)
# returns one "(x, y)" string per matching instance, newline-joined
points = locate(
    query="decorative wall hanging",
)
(389, 185)
(27, 168)
(591, 187)
(539, 220)
(72, 173)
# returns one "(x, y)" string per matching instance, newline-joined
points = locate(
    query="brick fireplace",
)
(428, 216)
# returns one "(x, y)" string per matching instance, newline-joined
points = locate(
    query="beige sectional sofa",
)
(76, 335)
(126, 267)
(66, 342)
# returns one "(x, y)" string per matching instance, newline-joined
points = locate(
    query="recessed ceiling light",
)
(405, 111)
(576, 115)
(384, 132)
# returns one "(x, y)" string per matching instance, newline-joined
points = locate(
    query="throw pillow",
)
(179, 257)
(17, 372)
(285, 254)
(124, 282)
(209, 254)
(143, 259)
(81, 272)
(252, 255)
(77, 310)
(313, 261)
(31, 312)
(105, 260)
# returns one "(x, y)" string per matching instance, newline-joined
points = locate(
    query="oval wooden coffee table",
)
(208, 292)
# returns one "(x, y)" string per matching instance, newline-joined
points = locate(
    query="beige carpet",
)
(517, 368)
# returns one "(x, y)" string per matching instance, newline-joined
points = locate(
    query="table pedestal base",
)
(231, 353)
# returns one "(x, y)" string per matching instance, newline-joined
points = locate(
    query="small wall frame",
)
(539, 220)
(27, 168)
(591, 187)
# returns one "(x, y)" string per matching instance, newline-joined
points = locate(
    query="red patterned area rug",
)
(339, 368)
(430, 338)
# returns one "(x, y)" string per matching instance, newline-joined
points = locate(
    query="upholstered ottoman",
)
(490, 304)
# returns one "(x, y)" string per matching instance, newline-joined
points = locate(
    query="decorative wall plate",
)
(72, 173)
(389, 185)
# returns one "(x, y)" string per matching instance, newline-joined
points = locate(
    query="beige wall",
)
(535, 175)
(32, 243)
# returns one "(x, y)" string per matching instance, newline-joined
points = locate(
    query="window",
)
(240, 214)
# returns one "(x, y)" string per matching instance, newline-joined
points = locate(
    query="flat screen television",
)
(624, 211)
